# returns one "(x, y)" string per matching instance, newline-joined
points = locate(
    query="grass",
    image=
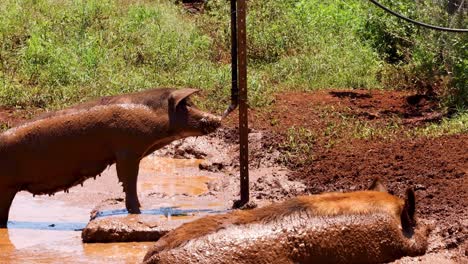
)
(54, 53)
(300, 142)
(457, 124)
(298, 146)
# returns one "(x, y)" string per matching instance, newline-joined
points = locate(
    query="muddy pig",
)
(64, 148)
(356, 227)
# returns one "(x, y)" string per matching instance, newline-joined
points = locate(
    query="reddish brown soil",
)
(437, 168)
(315, 110)
(10, 117)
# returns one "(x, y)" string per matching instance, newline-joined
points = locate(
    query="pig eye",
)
(182, 104)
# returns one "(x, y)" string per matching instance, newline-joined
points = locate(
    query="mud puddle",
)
(45, 229)
(176, 184)
(174, 176)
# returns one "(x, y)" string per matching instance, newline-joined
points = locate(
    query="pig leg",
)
(6, 198)
(127, 170)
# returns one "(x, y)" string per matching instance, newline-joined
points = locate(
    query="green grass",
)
(448, 126)
(300, 45)
(298, 146)
(54, 53)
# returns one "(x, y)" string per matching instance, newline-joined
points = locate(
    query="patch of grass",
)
(427, 60)
(54, 53)
(457, 124)
(297, 146)
(365, 130)
(300, 45)
(4, 127)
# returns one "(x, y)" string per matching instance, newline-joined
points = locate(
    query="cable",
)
(457, 30)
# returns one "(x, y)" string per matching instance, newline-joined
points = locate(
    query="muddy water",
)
(171, 178)
(48, 229)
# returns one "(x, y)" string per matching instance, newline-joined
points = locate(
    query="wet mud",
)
(175, 198)
(338, 161)
(193, 178)
(435, 167)
(47, 230)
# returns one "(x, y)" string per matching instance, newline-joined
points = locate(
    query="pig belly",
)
(298, 239)
(61, 176)
(60, 165)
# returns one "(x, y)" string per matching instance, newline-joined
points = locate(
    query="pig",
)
(369, 226)
(61, 149)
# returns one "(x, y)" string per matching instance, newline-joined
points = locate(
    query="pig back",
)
(303, 238)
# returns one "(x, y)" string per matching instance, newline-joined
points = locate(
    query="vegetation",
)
(54, 52)
(297, 146)
(433, 62)
(448, 126)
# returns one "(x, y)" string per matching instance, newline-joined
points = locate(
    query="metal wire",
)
(456, 30)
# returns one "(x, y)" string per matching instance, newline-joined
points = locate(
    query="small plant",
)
(298, 146)
(4, 127)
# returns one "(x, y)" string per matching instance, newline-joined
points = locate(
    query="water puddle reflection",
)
(52, 234)
(44, 230)
(174, 176)
(163, 211)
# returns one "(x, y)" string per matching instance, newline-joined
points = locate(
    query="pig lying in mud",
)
(64, 148)
(356, 227)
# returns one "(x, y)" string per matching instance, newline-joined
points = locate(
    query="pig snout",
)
(209, 123)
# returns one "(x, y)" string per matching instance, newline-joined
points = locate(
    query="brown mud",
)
(317, 109)
(436, 167)
(47, 230)
(194, 177)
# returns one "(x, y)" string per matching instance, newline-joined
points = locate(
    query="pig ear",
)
(377, 185)
(407, 214)
(179, 95)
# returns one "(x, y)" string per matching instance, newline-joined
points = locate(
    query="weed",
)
(298, 146)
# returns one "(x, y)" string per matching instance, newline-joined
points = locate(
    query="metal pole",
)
(235, 88)
(243, 100)
(234, 70)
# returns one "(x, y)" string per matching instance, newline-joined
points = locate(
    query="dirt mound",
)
(268, 178)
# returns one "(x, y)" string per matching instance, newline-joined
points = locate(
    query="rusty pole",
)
(243, 101)
(234, 70)
(239, 91)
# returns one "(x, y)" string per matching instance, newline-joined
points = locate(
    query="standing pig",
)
(356, 227)
(64, 148)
